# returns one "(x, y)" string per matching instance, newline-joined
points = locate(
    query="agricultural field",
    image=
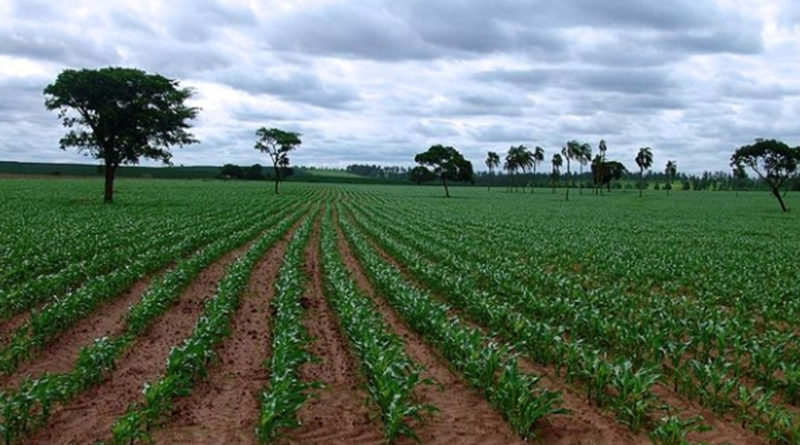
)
(215, 312)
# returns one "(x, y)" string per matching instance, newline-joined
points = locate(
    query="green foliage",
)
(447, 163)
(285, 392)
(773, 161)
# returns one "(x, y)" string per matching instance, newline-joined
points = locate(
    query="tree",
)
(518, 157)
(448, 164)
(597, 166)
(537, 158)
(420, 174)
(573, 151)
(773, 161)
(492, 162)
(739, 175)
(670, 171)
(557, 163)
(277, 144)
(644, 159)
(584, 152)
(604, 171)
(123, 115)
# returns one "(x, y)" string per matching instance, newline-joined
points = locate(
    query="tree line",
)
(121, 115)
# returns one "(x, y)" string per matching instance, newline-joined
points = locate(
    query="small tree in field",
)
(670, 171)
(644, 159)
(123, 115)
(277, 144)
(537, 156)
(557, 162)
(492, 162)
(773, 161)
(448, 164)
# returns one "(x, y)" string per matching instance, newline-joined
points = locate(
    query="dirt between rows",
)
(340, 413)
(584, 425)
(60, 355)
(89, 417)
(724, 429)
(223, 409)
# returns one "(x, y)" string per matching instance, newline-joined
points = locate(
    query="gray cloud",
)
(294, 85)
(378, 81)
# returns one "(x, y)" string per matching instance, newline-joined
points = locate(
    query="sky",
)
(377, 81)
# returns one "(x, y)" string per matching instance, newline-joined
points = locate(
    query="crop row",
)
(28, 294)
(391, 374)
(30, 405)
(486, 365)
(285, 393)
(709, 379)
(59, 315)
(188, 362)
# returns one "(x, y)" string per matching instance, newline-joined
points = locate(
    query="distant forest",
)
(377, 174)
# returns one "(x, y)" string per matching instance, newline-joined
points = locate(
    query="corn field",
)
(217, 312)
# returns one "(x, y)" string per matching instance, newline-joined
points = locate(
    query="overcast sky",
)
(377, 81)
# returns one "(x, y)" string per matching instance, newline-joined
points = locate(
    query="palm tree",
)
(597, 163)
(492, 161)
(584, 157)
(644, 159)
(538, 157)
(524, 160)
(572, 151)
(511, 166)
(670, 170)
(557, 161)
(518, 157)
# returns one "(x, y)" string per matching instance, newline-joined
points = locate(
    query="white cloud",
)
(379, 80)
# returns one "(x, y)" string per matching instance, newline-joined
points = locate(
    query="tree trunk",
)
(108, 195)
(641, 182)
(569, 178)
(446, 192)
(277, 176)
(778, 196)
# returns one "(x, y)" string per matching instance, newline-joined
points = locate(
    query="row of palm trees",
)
(521, 158)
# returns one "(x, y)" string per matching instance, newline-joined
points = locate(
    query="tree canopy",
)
(277, 144)
(773, 161)
(447, 163)
(121, 115)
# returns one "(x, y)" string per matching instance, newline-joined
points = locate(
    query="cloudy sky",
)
(376, 81)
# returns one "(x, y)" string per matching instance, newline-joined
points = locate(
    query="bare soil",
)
(567, 430)
(340, 415)
(464, 416)
(223, 409)
(60, 355)
(584, 425)
(89, 417)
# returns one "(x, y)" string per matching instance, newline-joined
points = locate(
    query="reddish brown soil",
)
(61, 354)
(89, 417)
(464, 416)
(224, 408)
(339, 415)
(723, 430)
(9, 325)
(464, 413)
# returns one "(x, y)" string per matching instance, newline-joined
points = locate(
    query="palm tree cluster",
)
(521, 158)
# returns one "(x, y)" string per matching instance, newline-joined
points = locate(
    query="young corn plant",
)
(481, 361)
(188, 362)
(286, 393)
(633, 402)
(391, 374)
